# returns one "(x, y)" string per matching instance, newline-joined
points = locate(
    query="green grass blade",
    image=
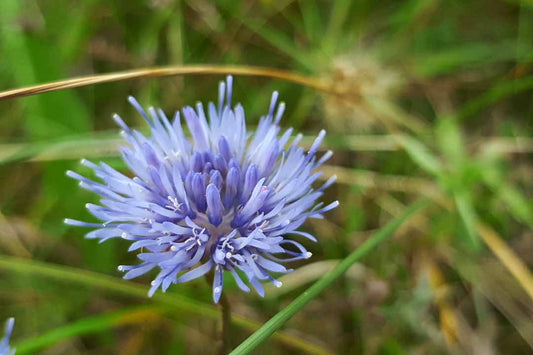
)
(106, 143)
(339, 13)
(462, 57)
(94, 324)
(496, 93)
(66, 148)
(281, 41)
(518, 205)
(312, 21)
(295, 306)
(393, 113)
(183, 304)
(465, 208)
(450, 141)
(420, 154)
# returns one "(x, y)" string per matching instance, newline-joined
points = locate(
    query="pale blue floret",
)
(227, 201)
(4, 344)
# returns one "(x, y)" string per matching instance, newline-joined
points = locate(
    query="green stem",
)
(312, 292)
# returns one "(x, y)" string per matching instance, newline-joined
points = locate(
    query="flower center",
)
(215, 232)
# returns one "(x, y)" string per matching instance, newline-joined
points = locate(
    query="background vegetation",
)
(431, 98)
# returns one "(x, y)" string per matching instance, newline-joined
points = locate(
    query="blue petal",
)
(214, 205)
(137, 271)
(217, 283)
(197, 129)
(195, 273)
(250, 180)
(232, 183)
(224, 148)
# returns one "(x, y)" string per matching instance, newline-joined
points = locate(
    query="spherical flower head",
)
(225, 202)
(4, 344)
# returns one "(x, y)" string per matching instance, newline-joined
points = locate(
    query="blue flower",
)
(4, 344)
(227, 202)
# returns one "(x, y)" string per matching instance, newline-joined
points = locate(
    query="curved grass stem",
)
(304, 80)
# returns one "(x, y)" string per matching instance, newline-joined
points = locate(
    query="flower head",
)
(225, 202)
(4, 344)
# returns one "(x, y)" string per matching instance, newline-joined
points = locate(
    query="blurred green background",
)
(434, 98)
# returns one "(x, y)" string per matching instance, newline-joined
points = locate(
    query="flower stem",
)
(225, 312)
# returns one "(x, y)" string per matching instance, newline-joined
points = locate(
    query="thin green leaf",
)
(281, 41)
(82, 146)
(450, 141)
(519, 206)
(463, 56)
(388, 110)
(177, 302)
(420, 154)
(410, 13)
(105, 144)
(339, 13)
(94, 324)
(30, 60)
(311, 19)
(463, 202)
(311, 293)
(498, 92)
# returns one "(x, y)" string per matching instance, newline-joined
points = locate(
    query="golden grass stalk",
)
(304, 80)
(447, 316)
(508, 258)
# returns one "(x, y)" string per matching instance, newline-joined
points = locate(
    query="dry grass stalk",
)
(169, 71)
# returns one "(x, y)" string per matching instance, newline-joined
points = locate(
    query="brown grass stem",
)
(304, 80)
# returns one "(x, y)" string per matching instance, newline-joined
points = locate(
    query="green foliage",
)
(434, 101)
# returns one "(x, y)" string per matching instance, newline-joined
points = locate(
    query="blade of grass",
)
(312, 21)
(94, 324)
(339, 13)
(420, 154)
(183, 304)
(508, 258)
(390, 113)
(467, 213)
(372, 180)
(410, 13)
(107, 147)
(450, 141)
(518, 204)
(494, 94)
(30, 60)
(447, 315)
(491, 280)
(104, 144)
(450, 59)
(280, 41)
(72, 147)
(295, 306)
